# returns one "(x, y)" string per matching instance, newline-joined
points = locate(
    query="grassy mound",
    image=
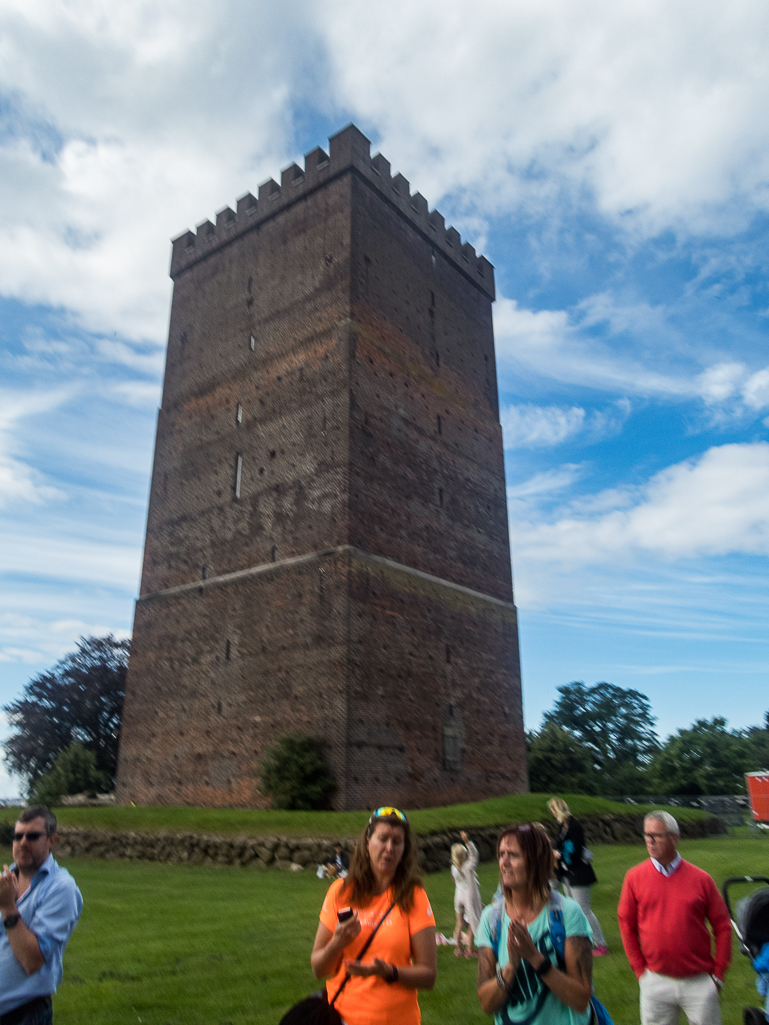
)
(250, 822)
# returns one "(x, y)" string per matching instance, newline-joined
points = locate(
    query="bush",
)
(296, 776)
(73, 772)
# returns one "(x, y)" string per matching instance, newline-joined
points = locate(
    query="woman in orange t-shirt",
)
(384, 872)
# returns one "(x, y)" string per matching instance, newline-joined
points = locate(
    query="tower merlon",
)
(348, 150)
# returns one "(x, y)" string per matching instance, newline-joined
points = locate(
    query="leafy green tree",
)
(705, 758)
(296, 776)
(80, 701)
(616, 725)
(74, 771)
(558, 762)
(759, 743)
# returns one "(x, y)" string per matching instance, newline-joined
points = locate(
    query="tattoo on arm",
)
(487, 965)
(584, 957)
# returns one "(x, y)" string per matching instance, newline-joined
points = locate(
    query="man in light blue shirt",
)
(40, 906)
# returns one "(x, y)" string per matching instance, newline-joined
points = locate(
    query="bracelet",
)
(394, 977)
(500, 979)
(544, 968)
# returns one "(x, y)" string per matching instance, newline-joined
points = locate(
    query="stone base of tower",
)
(413, 684)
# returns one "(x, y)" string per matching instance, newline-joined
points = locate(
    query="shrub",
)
(73, 772)
(295, 774)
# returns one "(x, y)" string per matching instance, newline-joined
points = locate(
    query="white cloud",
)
(715, 505)
(721, 381)
(652, 107)
(755, 391)
(545, 483)
(528, 426)
(548, 344)
(131, 123)
(19, 482)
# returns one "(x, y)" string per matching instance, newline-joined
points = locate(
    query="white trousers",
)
(663, 999)
(582, 896)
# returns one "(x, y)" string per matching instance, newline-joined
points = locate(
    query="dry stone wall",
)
(294, 853)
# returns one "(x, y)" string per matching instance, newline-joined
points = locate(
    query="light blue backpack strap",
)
(557, 927)
(495, 924)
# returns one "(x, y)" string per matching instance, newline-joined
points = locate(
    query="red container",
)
(758, 792)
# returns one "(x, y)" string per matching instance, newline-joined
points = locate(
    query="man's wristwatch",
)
(10, 920)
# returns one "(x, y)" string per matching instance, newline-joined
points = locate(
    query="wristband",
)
(394, 977)
(544, 968)
(500, 979)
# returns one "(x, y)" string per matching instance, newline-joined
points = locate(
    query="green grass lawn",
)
(205, 945)
(250, 822)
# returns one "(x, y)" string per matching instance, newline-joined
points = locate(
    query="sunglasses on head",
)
(385, 812)
(34, 835)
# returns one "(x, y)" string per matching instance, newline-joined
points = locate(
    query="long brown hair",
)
(538, 856)
(360, 885)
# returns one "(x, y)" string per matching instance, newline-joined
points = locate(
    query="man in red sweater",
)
(664, 909)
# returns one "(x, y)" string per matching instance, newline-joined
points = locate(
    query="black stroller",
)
(750, 922)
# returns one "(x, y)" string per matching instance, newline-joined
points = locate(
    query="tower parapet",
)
(347, 149)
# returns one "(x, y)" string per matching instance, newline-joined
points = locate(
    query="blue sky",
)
(612, 161)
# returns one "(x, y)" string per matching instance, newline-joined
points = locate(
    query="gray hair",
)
(39, 811)
(670, 824)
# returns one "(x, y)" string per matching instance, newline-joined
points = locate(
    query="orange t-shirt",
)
(372, 1001)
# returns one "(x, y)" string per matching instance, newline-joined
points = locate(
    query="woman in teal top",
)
(535, 959)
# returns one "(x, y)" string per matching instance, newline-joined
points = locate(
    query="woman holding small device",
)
(382, 896)
(534, 951)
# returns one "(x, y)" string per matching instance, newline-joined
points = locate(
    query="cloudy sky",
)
(611, 160)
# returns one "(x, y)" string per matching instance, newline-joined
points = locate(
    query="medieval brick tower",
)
(327, 544)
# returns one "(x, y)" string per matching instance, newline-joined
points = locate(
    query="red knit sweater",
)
(663, 922)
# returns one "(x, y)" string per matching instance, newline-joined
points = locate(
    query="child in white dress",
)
(467, 895)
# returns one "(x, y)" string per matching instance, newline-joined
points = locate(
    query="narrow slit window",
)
(440, 496)
(252, 343)
(238, 474)
(452, 749)
(440, 424)
(227, 650)
(239, 414)
(274, 553)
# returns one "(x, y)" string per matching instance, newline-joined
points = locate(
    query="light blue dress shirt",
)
(50, 908)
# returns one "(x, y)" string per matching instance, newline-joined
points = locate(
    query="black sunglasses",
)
(34, 835)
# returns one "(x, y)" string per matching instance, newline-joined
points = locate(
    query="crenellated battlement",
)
(347, 149)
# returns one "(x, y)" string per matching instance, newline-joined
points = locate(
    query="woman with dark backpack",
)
(574, 869)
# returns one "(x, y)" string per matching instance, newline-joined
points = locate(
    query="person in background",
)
(383, 886)
(40, 906)
(467, 894)
(338, 867)
(521, 977)
(573, 870)
(664, 910)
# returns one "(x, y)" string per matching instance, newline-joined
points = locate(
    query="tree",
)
(295, 774)
(80, 700)
(759, 744)
(705, 758)
(617, 727)
(559, 762)
(73, 772)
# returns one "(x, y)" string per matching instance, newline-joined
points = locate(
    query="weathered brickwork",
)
(327, 545)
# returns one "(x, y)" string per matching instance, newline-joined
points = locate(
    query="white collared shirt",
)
(671, 867)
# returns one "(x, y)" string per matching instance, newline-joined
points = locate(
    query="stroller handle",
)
(738, 879)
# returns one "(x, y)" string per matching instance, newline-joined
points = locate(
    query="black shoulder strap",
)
(362, 951)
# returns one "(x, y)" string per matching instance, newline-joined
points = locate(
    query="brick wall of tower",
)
(286, 285)
(426, 460)
(218, 671)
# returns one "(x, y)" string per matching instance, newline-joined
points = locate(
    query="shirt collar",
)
(671, 867)
(45, 869)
